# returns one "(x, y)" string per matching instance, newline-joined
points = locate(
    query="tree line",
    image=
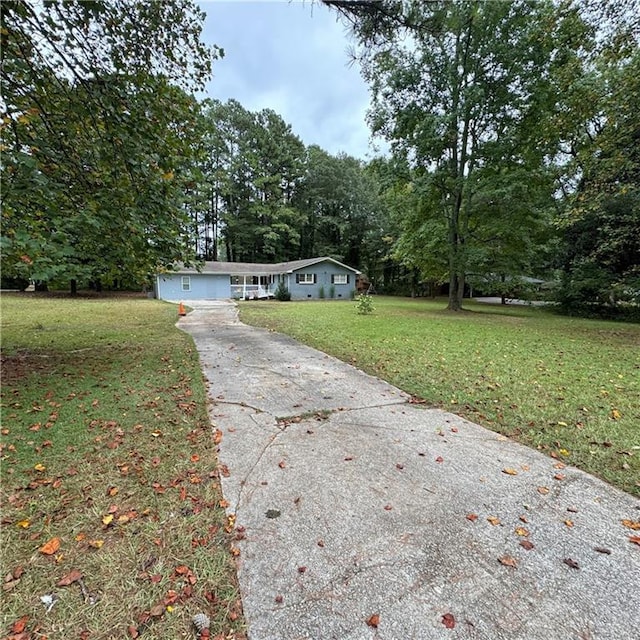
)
(514, 130)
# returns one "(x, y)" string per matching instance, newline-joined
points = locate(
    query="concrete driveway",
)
(363, 516)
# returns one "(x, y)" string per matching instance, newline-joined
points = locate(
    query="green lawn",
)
(569, 387)
(108, 450)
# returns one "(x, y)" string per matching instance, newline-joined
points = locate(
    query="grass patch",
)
(569, 387)
(107, 447)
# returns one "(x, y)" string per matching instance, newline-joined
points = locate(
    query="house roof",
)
(253, 268)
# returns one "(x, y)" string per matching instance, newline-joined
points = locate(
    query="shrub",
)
(364, 304)
(321, 291)
(332, 291)
(282, 293)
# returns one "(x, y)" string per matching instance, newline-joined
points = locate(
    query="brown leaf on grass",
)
(571, 563)
(133, 632)
(217, 436)
(508, 561)
(374, 620)
(448, 620)
(527, 544)
(19, 625)
(70, 578)
(631, 524)
(50, 547)
(157, 611)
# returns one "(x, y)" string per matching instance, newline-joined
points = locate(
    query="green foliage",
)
(251, 165)
(321, 293)
(282, 293)
(460, 89)
(96, 136)
(332, 291)
(364, 304)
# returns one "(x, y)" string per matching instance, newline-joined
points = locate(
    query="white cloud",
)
(292, 58)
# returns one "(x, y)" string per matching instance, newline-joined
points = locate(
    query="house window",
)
(340, 278)
(186, 283)
(305, 278)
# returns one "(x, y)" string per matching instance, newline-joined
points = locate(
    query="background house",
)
(313, 278)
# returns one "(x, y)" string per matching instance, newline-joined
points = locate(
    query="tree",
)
(339, 199)
(252, 167)
(458, 90)
(96, 136)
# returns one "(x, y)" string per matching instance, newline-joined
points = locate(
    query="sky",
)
(291, 57)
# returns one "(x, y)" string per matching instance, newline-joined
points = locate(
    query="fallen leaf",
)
(19, 625)
(493, 520)
(602, 550)
(302, 569)
(543, 490)
(615, 414)
(448, 620)
(25, 524)
(471, 516)
(439, 459)
(374, 620)
(70, 578)
(634, 539)
(631, 524)
(571, 563)
(235, 552)
(509, 471)
(282, 464)
(133, 631)
(39, 467)
(96, 544)
(527, 544)
(387, 507)
(521, 531)
(157, 611)
(569, 523)
(50, 547)
(195, 457)
(217, 436)
(112, 491)
(559, 476)
(279, 599)
(224, 503)
(508, 561)
(107, 520)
